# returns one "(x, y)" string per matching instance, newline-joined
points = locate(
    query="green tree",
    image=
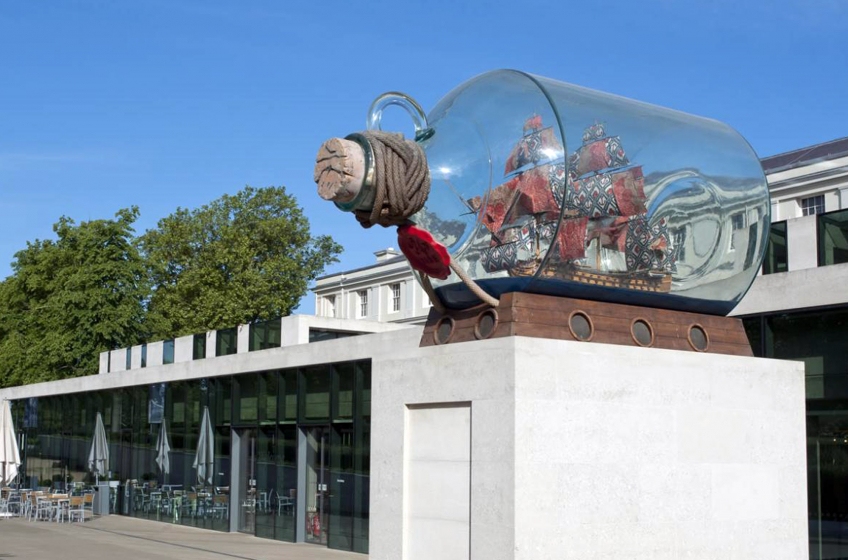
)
(70, 299)
(239, 259)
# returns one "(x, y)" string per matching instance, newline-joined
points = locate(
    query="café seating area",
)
(46, 505)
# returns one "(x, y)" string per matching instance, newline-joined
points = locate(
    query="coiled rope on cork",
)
(401, 179)
(401, 186)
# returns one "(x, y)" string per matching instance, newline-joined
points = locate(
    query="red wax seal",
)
(425, 254)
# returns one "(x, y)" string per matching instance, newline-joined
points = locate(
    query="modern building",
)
(289, 404)
(284, 408)
(797, 309)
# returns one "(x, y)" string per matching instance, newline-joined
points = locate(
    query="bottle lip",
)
(364, 199)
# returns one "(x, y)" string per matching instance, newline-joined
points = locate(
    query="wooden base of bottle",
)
(534, 315)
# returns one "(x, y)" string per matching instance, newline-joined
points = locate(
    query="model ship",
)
(590, 207)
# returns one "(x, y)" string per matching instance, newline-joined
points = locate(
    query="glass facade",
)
(226, 342)
(198, 347)
(265, 335)
(290, 451)
(818, 339)
(168, 351)
(832, 229)
(777, 254)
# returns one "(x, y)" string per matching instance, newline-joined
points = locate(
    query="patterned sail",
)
(593, 203)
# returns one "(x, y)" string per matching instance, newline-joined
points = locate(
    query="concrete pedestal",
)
(527, 448)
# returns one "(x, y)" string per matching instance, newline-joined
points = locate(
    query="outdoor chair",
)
(76, 509)
(43, 508)
(88, 502)
(156, 501)
(263, 501)
(220, 505)
(189, 504)
(285, 503)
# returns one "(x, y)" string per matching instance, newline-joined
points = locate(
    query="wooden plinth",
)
(522, 314)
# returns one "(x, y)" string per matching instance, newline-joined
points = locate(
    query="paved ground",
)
(116, 537)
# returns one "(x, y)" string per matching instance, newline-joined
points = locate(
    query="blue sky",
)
(167, 103)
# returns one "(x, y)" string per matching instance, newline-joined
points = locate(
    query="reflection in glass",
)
(226, 342)
(264, 335)
(777, 255)
(544, 186)
(817, 339)
(265, 406)
(833, 238)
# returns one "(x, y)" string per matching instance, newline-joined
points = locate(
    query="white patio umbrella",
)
(10, 455)
(204, 460)
(98, 457)
(163, 449)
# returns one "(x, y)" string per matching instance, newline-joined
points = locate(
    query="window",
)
(363, 303)
(395, 288)
(199, 347)
(226, 342)
(168, 352)
(812, 205)
(129, 358)
(832, 232)
(777, 257)
(737, 222)
(330, 306)
(317, 335)
(144, 355)
(264, 335)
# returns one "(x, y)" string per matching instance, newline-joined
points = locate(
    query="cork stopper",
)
(339, 170)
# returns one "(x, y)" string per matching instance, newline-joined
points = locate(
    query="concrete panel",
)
(155, 352)
(184, 349)
(599, 452)
(812, 287)
(118, 360)
(437, 485)
(243, 335)
(801, 243)
(103, 363)
(211, 339)
(135, 357)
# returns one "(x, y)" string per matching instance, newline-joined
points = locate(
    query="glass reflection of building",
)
(290, 445)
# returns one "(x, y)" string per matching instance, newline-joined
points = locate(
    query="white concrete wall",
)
(243, 336)
(801, 243)
(184, 348)
(103, 363)
(812, 287)
(584, 451)
(155, 351)
(118, 360)
(211, 339)
(437, 481)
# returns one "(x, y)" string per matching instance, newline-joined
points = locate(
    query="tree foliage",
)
(239, 259)
(69, 299)
(96, 287)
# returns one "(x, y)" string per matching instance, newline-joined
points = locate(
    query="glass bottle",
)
(546, 187)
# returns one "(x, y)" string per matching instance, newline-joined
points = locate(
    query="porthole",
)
(444, 330)
(486, 325)
(642, 333)
(581, 326)
(699, 340)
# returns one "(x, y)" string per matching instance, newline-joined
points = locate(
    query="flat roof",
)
(806, 156)
(392, 260)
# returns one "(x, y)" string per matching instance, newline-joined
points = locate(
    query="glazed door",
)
(244, 492)
(317, 484)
